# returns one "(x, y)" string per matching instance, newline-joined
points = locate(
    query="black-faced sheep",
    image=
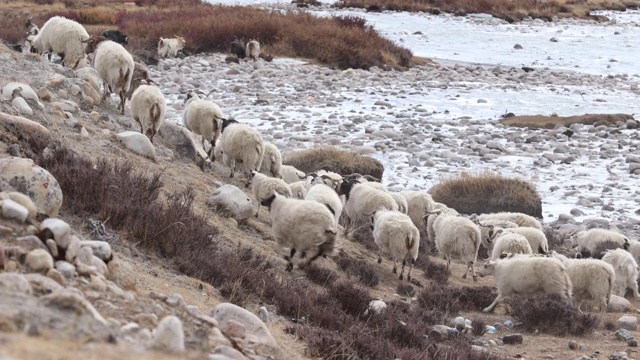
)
(264, 186)
(590, 239)
(327, 196)
(362, 201)
(508, 242)
(457, 237)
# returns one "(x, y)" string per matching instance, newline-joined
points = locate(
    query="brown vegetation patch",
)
(341, 161)
(451, 300)
(550, 122)
(488, 193)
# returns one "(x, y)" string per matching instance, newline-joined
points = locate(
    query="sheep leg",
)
(493, 304)
(395, 267)
(404, 262)
(411, 263)
(448, 264)
(258, 211)
(122, 100)
(380, 257)
(473, 271)
(634, 286)
(290, 260)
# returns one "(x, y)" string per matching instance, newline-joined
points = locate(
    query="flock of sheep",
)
(307, 209)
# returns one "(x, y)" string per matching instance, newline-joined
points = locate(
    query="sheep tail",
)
(154, 113)
(410, 242)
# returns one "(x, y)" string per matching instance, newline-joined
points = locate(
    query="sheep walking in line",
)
(253, 50)
(203, 117)
(457, 237)
(170, 47)
(302, 225)
(396, 235)
(241, 143)
(263, 186)
(592, 280)
(64, 37)
(148, 107)
(527, 275)
(626, 270)
(114, 65)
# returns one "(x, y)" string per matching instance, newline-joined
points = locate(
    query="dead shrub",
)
(432, 270)
(343, 162)
(320, 275)
(488, 193)
(97, 16)
(354, 299)
(362, 234)
(548, 313)
(478, 327)
(460, 348)
(358, 268)
(406, 290)
(452, 300)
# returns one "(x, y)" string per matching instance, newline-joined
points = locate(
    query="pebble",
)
(169, 335)
(628, 322)
(512, 339)
(39, 260)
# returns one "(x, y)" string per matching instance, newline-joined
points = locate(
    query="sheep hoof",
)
(475, 278)
(486, 310)
(464, 276)
(409, 278)
(379, 260)
(395, 271)
(401, 276)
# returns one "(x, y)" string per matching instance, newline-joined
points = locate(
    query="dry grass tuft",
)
(452, 300)
(343, 162)
(488, 193)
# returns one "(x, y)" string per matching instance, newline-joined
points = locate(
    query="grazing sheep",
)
(401, 201)
(116, 35)
(242, 143)
(263, 187)
(592, 280)
(488, 228)
(203, 117)
(626, 270)
(526, 275)
(233, 200)
(114, 65)
(32, 29)
(429, 219)
(170, 47)
(419, 203)
(458, 237)
(396, 235)
(508, 242)
(271, 161)
(253, 50)
(536, 238)
(518, 218)
(299, 189)
(238, 48)
(329, 178)
(148, 106)
(64, 37)
(590, 239)
(362, 201)
(302, 225)
(326, 195)
(290, 174)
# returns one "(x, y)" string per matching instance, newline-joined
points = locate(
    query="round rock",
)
(39, 260)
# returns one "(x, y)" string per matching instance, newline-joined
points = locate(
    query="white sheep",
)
(64, 37)
(457, 237)
(290, 174)
(362, 201)
(396, 235)
(241, 143)
(508, 242)
(430, 217)
(419, 203)
(518, 218)
(148, 106)
(592, 280)
(253, 50)
(271, 161)
(326, 195)
(302, 225)
(298, 189)
(264, 186)
(203, 117)
(170, 47)
(488, 227)
(115, 66)
(527, 275)
(232, 199)
(401, 201)
(328, 178)
(626, 270)
(590, 239)
(536, 238)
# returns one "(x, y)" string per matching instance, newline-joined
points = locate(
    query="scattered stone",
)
(138, 143)
(11, 210)
(628, 322)
(57, 276)
(122, 274)
(517, 47)
(101, 249)
(11, 283)
(632, 343)
(21, 105)
(42, 285)
(22, 175)
(573, 345)
(553, 39)
(169, 335)
(624, 334)
(39, 260)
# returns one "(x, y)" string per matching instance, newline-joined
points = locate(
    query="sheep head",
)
(91, 44)
(345, 189)
(268, 201)
(227, 122)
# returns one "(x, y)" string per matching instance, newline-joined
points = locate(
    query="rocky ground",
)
(132, 301)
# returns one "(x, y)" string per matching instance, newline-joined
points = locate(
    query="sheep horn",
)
(210, 92)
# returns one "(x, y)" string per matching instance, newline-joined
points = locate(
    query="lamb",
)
(508, 242)
(419, 203)
(396, 235)
(241, 142)
(170, 47)
(238, 48)
(518, 218)
(263, 187)
(271, 161)
(290, 174)
(302, 225)
(626, 270)
(148, 106)
(326, 195)
(64, 37)
(362, 201)
(401, 201)
(233, 200)
(116, 35)
(299, 189)
(456, 236)
(590, 239)
(253, 50)
(525, 275)
(114, 65)
(591, 279)
(203, 117)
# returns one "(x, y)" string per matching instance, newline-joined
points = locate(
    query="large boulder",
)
(138, 143)
(23, 127)
(23, 175)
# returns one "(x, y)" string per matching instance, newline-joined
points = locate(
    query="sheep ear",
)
(504, 255)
